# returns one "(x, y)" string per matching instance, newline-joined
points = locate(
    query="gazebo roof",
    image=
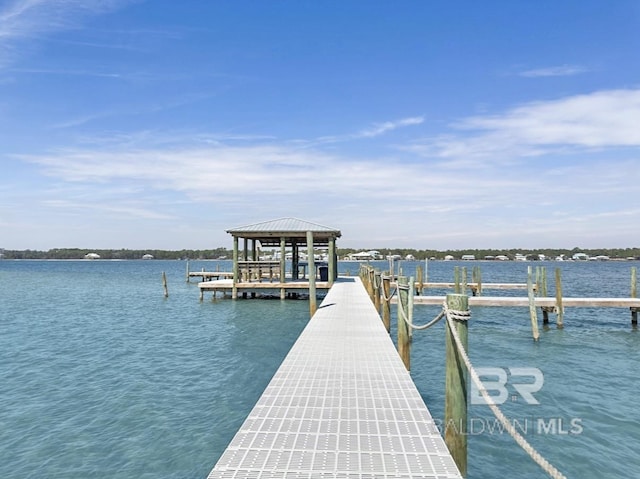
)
(270, 232)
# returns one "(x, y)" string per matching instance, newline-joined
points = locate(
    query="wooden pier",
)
(548, 302)
(341, 405)
(253, 288)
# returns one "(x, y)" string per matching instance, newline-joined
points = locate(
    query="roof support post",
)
(312, 274)
(331, 259)
(234, 289)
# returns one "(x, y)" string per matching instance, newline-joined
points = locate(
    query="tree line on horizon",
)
(224, 253)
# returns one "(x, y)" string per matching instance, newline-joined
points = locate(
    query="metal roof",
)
(284, 225)
(292, 229)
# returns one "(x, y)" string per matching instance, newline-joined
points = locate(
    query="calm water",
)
(101, 376)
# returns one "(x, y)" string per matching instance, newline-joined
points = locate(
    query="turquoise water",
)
(101, 376)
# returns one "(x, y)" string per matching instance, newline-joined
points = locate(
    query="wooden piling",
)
(403, 327)
(532, 305)
(386, 305)
(456, 386)
(410, 296)
(164, 285)
(187, 272)
(476, 277)
(559, 306)
(377, 281)
(634, 294)
(420, 280)
(541, 290)
(456, 280)
(463, 282)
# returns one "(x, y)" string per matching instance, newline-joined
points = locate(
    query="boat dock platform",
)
(341, 405)
(543, 302)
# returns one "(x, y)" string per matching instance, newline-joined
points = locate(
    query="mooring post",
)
(463, 283)
(371, 283)
(187, 272)
(410, 296)
(164, 285)
(420, 279)
(456, 385)
(559, 307)
(456, 280)
(386, 305)
(532, 305)
(634, 294)
(543, 292)
(403, 328)
(377, 280)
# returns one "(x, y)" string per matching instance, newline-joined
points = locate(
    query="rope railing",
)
(452, 316)
(402, 314)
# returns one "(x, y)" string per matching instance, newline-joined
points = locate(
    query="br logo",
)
(525, 382)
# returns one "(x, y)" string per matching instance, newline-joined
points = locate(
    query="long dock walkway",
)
(341, 405)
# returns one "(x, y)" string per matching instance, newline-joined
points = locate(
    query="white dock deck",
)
(341, 405)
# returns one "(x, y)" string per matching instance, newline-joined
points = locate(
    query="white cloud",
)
(555, 71)
(373, 131)
(603, 119)
(381, 128)
(22, 20)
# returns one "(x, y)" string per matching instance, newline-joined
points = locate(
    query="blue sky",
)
(422, 124)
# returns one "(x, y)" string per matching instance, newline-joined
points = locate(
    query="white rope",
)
(522, 442)
(404, 317)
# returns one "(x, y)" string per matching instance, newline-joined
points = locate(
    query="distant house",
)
(449, 258)
(361, 256)
(580, 257)
(468, 257)
(147, 256)
(92, 256)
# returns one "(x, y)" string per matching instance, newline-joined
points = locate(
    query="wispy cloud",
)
(377, 129)
(381, 128)
(554, 71)
(22, 20)
(603, 119)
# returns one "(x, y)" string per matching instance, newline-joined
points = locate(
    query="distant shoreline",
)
(402, 254)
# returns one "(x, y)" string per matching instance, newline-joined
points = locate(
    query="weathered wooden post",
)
(187, 272)
(532, 305)
(164, 285)
(456, 280)
(376, 289)
(463, 283)
(420, 278)
(313, 306)
(541, 287)
(236, 269)
(410, 297)
(634, 294)
(403, 328)
(386, 305)
(456, 385)
(559, 307)
(372, 285)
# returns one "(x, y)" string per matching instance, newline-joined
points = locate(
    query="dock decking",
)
(538, 301)
(341, 404)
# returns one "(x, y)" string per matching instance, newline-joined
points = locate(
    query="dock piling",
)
(532, 305)
(386, 304)
(634, 294)
(559, 306)
(164, 285)
(456, 386)
(403, 328)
